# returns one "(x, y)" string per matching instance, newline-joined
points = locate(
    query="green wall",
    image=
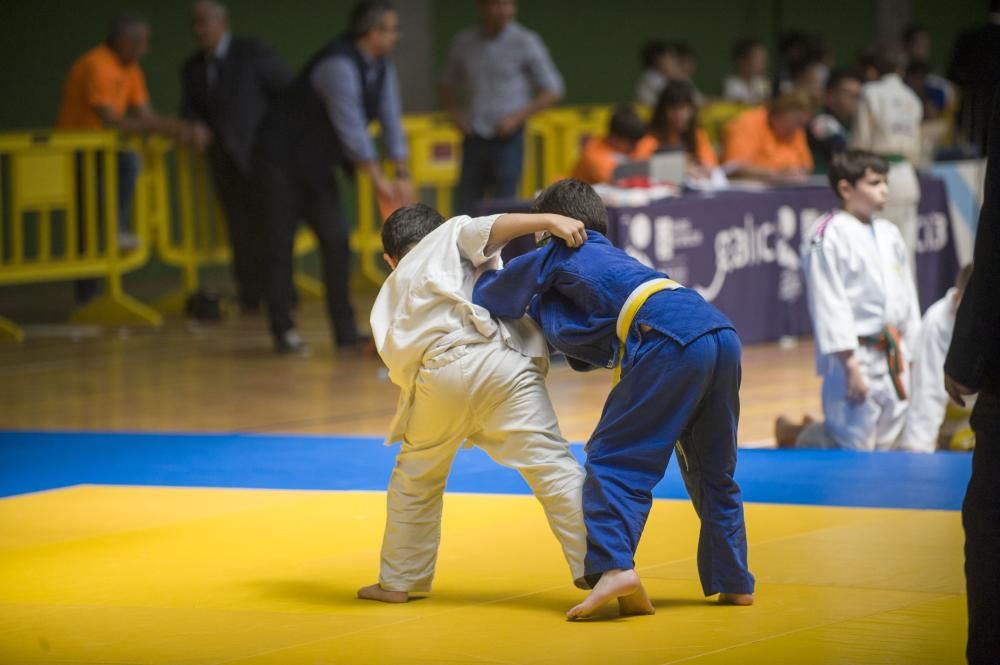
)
(594, 42)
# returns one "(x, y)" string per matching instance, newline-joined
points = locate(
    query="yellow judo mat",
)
(124, 575)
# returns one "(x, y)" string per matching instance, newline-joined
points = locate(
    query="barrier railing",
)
(68, 182)
(59, 221)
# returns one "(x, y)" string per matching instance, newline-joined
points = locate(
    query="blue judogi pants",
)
(668, 393)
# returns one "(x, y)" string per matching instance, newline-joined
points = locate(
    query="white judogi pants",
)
(875, 424)
(496, 399)
(901, 205)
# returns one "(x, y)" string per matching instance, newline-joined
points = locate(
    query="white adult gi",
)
(463, 376)
(888, 124)
(859, 284)
(928, 398)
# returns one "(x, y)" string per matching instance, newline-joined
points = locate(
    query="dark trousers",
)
(667, 393)
(127, 166)
(981, 520)
(287, 198)
(246, 225)
(491, 168)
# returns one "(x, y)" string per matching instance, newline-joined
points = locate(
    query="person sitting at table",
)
(600, 156)
(769, 143)
(674, 126)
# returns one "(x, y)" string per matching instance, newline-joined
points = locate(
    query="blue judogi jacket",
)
(575, 295)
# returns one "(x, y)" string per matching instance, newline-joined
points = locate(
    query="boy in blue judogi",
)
(678, 359)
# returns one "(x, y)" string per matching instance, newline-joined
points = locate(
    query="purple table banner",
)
(741, 250)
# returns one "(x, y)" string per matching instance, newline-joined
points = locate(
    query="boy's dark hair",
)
(850, 165)
(574, 198)
(626, 124)
(407, 226)
(964, 275)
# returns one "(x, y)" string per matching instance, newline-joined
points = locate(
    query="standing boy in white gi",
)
(463, 376)
(864, 310)
(888, 124)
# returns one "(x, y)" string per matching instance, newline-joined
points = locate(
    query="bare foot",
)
(613, 584)
(736, 599)
(635, 604)
(376, 592)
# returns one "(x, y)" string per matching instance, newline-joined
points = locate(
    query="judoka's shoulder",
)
(831, 228)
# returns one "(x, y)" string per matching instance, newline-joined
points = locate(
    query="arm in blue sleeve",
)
(508, 292)
(390, 113)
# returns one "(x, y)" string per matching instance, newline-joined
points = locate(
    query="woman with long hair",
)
(674, 126)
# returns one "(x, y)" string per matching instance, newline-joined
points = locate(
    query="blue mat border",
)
(33, 461)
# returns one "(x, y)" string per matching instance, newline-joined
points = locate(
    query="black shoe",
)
(291, 343)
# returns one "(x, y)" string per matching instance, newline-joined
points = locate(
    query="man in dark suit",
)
(317, 126)
(973, 365)
(228, 85)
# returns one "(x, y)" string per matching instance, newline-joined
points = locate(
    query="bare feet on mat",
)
(613, 584)
(376, 592)
(736, 599)
(636, 603)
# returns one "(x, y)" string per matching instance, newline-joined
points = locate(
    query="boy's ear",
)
(389, 260)
(844, 188)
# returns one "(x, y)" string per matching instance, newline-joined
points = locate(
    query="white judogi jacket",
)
(889, 117)
(859, 282)
(928, 398)
(424, 309)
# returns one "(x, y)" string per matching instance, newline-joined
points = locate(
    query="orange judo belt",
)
(888, 340)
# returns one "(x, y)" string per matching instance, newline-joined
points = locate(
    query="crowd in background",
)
(274, 138)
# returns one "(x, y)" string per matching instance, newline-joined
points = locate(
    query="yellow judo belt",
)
(632, 305)
(888, 340)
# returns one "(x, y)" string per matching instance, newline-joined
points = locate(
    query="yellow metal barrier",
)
(60, 221)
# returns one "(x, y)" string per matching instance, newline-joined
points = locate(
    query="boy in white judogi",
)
(889, 124)
(463, 376)
(864, 310)
(926, 421)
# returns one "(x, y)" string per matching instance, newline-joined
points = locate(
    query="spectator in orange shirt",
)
(105, 89)
(674, 126)
(769, 143)
(600, 156)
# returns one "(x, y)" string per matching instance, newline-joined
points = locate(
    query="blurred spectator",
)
(227, 87)
(674, 126)
(106, 89)
(769, 143)
(601, 156)
(975, 69)
(661, 64)
(917, 78)
(927, 429)
(917, 44)
(809, 75)
(866, 66)
(888, 124)
(319, 123)
(829, 131)
(687, 61)
(749, 85)
(506, 75)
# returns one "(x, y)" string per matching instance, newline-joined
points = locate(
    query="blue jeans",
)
(668, 392)
(491, 168)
